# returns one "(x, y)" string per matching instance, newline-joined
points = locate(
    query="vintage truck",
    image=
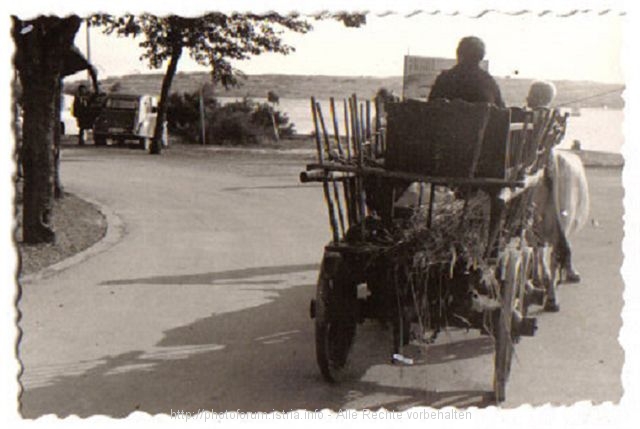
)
(128, 117)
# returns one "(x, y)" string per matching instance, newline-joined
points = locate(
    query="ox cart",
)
(434, 210)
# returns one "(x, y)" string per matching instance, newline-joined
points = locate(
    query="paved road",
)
(204, 303)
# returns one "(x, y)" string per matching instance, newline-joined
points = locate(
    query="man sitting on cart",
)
(466, 80)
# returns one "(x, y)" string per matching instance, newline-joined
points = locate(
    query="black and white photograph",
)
(335, 213)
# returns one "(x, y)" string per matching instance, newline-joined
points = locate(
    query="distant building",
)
(420, 73)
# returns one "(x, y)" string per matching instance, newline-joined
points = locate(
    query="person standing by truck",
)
(81, 112)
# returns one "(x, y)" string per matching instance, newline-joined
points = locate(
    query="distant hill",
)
(573, 93)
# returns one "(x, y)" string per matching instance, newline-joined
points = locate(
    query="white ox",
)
(561, 204)
(570, 190)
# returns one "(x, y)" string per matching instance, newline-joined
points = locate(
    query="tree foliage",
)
(213, 40)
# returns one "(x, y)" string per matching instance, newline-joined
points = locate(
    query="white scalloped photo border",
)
(583, 414)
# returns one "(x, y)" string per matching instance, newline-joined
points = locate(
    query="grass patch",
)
(77, 223)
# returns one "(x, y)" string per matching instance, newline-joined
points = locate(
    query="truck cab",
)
(125, 117)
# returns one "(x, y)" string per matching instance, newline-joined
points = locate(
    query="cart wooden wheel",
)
(401, 332)
(335, 319)
(503, 323)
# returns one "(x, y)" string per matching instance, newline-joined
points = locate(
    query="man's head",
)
(541, 94)
(82, 89)
(470, 50)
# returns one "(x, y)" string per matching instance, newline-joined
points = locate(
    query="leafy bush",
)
(183, 115)
(244, 122)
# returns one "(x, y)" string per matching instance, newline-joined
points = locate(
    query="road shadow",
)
(216, 276)
(268, 187)
(255, 359)
(458, 350)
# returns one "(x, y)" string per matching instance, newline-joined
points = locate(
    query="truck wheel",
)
(145, 143)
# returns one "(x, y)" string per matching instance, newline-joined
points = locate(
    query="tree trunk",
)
(41, 45)
(156, 143)
(37, 161)
(58, 192)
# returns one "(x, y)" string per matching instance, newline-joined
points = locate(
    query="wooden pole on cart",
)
(363, 135)
(336, 133)
(317, 132)
(368, 125)
(335, 185)
(355, 190)
(349, 183)
(357, 131)
(354, 129)
(361, 194)
(325, 184)
(542, 126)
(346, 127)
(336, 130)
(325, 135)
(376, 130)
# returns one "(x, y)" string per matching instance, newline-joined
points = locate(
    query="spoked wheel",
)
(503, 323)
(401, 332)
(335, 318)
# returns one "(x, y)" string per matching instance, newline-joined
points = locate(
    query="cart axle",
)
(523, 326)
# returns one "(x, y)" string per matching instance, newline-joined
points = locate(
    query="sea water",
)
(595, 129)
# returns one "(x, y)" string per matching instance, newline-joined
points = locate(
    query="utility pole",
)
(88, 24)
(203, 133)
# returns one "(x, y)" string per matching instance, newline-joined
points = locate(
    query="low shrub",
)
(243, 122)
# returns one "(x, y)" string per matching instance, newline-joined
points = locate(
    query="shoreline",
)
(298, 147)
(598, 159)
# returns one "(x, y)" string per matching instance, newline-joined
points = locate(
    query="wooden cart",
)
(465, 252)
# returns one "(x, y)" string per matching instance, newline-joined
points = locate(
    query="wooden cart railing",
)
(356, 152)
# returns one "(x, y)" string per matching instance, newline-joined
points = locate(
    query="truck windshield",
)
(115, 103)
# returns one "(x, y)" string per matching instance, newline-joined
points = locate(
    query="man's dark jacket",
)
(467, 82)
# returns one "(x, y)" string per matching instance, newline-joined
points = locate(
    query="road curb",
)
(115, 231)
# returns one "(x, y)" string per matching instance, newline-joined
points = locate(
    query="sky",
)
(586, 46)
